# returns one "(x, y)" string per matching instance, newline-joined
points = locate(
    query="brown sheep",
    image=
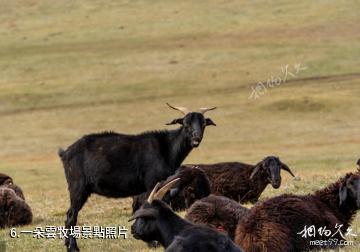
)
(244, 182)
(7, 181)
(5, 178)
(13, 209)
(217, 212)
(277, 224)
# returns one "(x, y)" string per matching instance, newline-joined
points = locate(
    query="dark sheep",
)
(217, 212)
(119, 165)
(14, 211)
(193, 185)
(278, 224)
(156, 221)
(7, 181)
(244, 182)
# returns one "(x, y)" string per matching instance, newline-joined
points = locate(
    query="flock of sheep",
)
(148, 167)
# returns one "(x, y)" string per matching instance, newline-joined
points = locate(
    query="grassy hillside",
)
(68, 68)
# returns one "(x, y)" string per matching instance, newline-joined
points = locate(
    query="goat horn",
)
(152, 194)
(162, 191)
(257, 168)
(181, 109)
(204, 110)
(286, 168)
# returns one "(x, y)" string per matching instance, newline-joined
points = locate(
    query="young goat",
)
(156, 221)
(282, 223)
(217, 212)
(244, 182)
(193, 185)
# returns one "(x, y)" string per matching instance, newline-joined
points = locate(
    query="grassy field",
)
(68, 68)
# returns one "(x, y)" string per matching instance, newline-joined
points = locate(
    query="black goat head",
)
(194, 123)
(146, 225)
(350, 190)
(271, 167)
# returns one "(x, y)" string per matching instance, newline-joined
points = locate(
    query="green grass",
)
(70, 68)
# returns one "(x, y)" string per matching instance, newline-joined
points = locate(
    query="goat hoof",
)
(73, 250)
(153, 244)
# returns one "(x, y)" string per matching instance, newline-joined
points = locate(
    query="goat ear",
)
(176, 121)
(257, 168)
(210, 122)
(286, 168)
(342, 193)
(144, 213)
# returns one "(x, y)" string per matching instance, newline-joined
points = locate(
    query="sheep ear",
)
(144, 213)
(176, 121)
(286, 168)
(210, 122)
(342, 194)
(257, 168)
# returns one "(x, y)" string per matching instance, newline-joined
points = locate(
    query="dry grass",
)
(69, 68)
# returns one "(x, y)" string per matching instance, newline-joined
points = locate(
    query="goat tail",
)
(61, 153)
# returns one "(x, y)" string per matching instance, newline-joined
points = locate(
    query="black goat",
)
(156, 221)
(118, 165)
(244, 182)
(193, 185)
